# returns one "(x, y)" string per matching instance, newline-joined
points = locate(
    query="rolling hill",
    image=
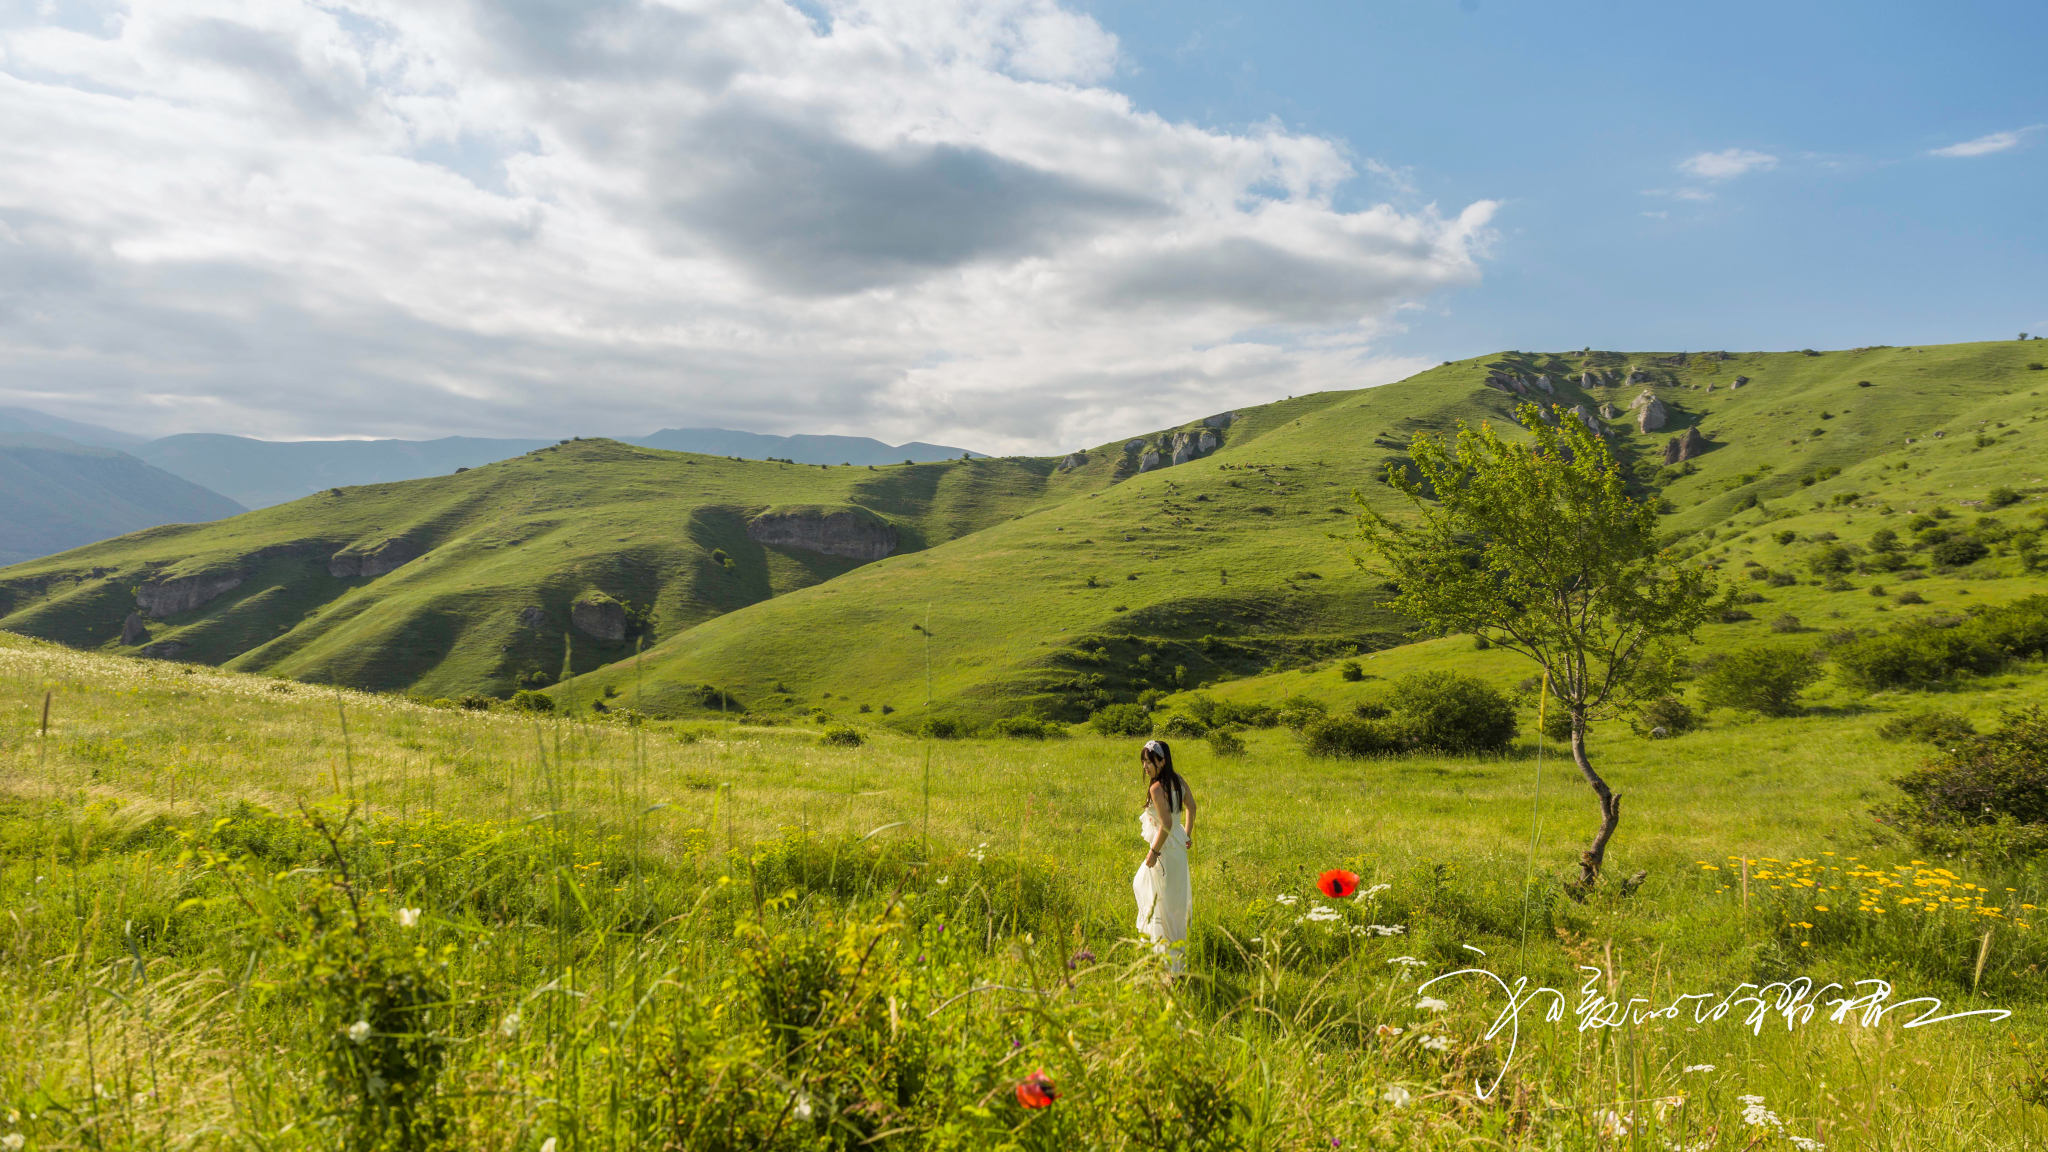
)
(549, 563)
(1048, 586)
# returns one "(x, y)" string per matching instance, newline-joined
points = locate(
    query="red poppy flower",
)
(1036, 1090)
(1337, 883)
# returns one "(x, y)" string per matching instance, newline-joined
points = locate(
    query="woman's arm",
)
(1187, 801)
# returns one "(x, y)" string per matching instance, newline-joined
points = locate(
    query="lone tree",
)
(1538, 547)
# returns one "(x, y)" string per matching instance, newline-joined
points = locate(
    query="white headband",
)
(1155, 746)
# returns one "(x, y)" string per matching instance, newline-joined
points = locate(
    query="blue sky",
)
(1577, 117)
(1019, 225)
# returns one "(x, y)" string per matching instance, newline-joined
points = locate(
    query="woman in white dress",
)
(1165, 897)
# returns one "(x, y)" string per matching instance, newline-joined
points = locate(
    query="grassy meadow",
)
(249, 913)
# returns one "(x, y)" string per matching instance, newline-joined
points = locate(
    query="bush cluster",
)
(1444, 712)
(1934, 650)
(1761, 678)
(1982, 792)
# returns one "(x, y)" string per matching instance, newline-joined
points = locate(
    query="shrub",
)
(1122, 720)
(840, 736)
(1927, 727)
(1909, 597)
(1226, 742)
(940, 728)
(1761, 678)
(1782, 579)
(1480, 642)
(1180, 725)
(1351, 671)
(1785, 537)
(475, 702)
(1786, 622)
(1914, 654)
(1352, 736)
(1557, 725)
(1752, 598)
(1735, 616)
(1454, 713)
(1832, 560)
(2002, 496)
(1884, 540)
(1026, 728)
(1958, 551)
(1983, 782)
(1298, 712)
(527, 700)
(1671, 714)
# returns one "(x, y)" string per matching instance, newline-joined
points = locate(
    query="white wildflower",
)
(1430, 1004)
(802, 1108)
(408, 917)
(1375, 890)
(1756, 1115)
(13, 1141)
(1398, 1096)
(1323, 914)
(548, 1145)
(509, 1026)
(1436, 1043)
(1409, 962)
(1388, 929)
(359, 1031)
(1614, 1123)
(980, 852)
(1287, 898)
(1699, 1068)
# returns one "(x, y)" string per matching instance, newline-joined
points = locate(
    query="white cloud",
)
(1727, 164)
(921, 218)
(1986, 145)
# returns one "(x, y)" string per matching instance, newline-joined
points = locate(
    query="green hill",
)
(1051, 585)
(1226, 565)
(465, 583)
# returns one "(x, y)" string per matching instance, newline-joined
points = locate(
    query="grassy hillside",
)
(503, 553)
(616, 930)
(1052, 586)
(1226, 565)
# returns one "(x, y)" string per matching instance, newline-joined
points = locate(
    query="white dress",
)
(1165, 897)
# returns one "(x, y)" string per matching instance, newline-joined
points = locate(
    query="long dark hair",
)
(1176, 788)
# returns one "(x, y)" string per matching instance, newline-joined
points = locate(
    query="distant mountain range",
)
(64, 483)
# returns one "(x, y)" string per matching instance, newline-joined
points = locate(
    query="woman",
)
(1165, 898)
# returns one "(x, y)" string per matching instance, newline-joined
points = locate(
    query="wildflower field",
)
(245, 913)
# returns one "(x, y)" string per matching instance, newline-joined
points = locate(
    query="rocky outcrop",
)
(1651, 414)
(382, 557)
(161, 598)
(532, 618)
(842, 533)
(599, 616)
(1592, 379)
(1679, 449)
(1220, 420)
(1739, 381)
(1587, 418)
(132, 630)
(1609, 412)
(1073, 461)
(1207, 442)
(1635, 376)
(1149, 461)
(1543, 382)
(1183, 448)
(1131, 446)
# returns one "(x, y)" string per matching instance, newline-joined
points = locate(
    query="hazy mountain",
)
(17, 423)
(57, 494)
(802, 449)
(260, 473)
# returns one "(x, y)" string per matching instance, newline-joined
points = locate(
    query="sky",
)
(1016, 225)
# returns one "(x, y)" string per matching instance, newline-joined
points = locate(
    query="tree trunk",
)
(1610, 805)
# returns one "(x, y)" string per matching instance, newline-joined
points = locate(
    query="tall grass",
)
(721, 937)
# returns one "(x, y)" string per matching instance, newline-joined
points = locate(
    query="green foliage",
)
(1298, 712)
(1352, 671)
(1026, 728)
(1995, 781)
(1930, 727)
(1354, 736)
(1225, 742)
(1932, 651)
(842, 736)
(1761, 678)
(1122, 720)
(1958, 551)
(941, 728)
(1831, 560)
(1452, 712)
(1670, 713)
(527, 700)
(2003, 496)
(1181, 725)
